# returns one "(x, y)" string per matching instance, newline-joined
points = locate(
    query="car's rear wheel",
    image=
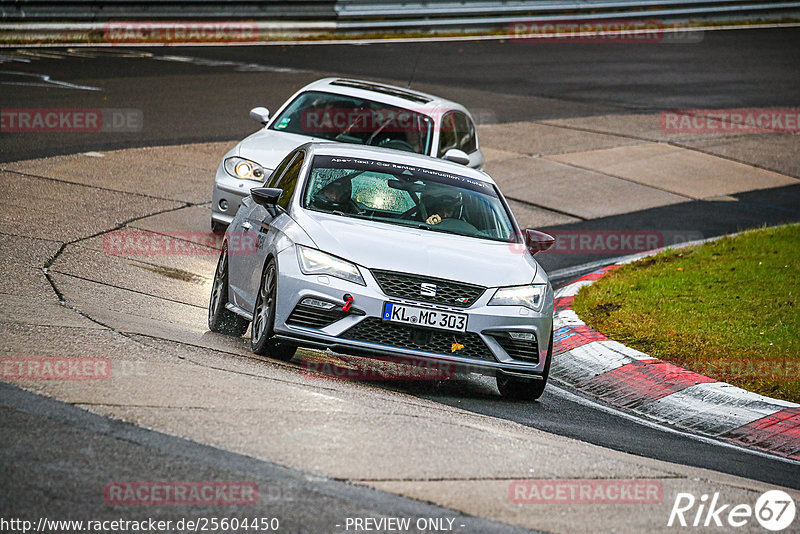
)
(262, 332)
(221, 319)
(513, 388)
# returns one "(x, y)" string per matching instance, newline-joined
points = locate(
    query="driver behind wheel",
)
(336, 196)
(441, 204)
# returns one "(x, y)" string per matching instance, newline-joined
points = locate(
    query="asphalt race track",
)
(202, 94)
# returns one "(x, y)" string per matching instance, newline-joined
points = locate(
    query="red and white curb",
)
(632, 380)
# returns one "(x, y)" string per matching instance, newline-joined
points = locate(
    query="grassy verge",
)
(728, 309)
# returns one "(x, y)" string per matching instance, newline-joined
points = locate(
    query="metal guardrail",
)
(386, 15)
(423, 14)
(106, 10)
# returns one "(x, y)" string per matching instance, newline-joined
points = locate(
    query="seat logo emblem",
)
(427, 290)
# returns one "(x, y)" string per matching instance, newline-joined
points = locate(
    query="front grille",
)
(311, 317)
(374, 330)
(408, 286)
(518, 349)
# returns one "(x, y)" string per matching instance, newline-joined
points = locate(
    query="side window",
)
(272, 181)
(465, 131)
(288, 182)
(447, 133)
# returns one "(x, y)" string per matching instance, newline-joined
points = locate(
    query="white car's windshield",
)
(349, 119)
(407, 195)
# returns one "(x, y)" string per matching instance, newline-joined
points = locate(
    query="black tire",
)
(218, 227)
(221, 319)
(512, 388)
(262, 332)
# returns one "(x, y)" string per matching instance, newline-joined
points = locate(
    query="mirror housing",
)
(260, 114)
(456, 156)
(537, 241)
(266, 196)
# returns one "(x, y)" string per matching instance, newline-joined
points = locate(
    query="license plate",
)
(400, 313)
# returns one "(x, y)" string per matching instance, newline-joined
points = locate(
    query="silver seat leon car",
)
(385, 254)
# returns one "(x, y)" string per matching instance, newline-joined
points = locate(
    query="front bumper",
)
(485, 324)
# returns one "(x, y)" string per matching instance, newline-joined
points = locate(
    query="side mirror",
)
(456, 156)
(266, 196)
(537, 241)
(260, 114)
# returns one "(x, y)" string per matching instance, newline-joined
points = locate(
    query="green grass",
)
(727, 309)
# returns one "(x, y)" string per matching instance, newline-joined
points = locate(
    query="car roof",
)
(328, 148)
(389, 94)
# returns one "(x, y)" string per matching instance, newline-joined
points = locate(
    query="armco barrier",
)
(365, 15)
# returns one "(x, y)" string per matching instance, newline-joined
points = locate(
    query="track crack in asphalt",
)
(106, 284)
(550, 209)
(651, 186)
(678, 143)
(98, 188)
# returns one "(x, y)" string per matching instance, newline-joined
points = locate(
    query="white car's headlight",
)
(244, 169)
(313, 261)
(531, 296)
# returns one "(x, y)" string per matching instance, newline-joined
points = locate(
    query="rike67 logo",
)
(774, 510)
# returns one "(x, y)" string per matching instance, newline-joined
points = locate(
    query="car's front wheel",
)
(262, 332)
(221, 319)
(513, 388)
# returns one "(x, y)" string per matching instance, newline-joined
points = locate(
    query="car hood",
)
(269, 147)
(396, 248)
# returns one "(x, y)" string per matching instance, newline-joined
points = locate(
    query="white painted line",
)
(566, 318)
(572, 289)
(46, 81)
(552, 389)
(712, 408)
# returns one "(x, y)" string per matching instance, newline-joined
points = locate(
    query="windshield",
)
(407, 195)
(349, 119)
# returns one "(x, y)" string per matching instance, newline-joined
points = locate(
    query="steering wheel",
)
(458, 225)
(396, 144)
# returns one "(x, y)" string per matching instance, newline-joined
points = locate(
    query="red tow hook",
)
(348, 302)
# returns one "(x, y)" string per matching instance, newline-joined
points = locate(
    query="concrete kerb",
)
(636, 382)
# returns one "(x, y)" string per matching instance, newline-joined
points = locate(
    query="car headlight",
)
(244, 169)
(530, 296)
(313, 261)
